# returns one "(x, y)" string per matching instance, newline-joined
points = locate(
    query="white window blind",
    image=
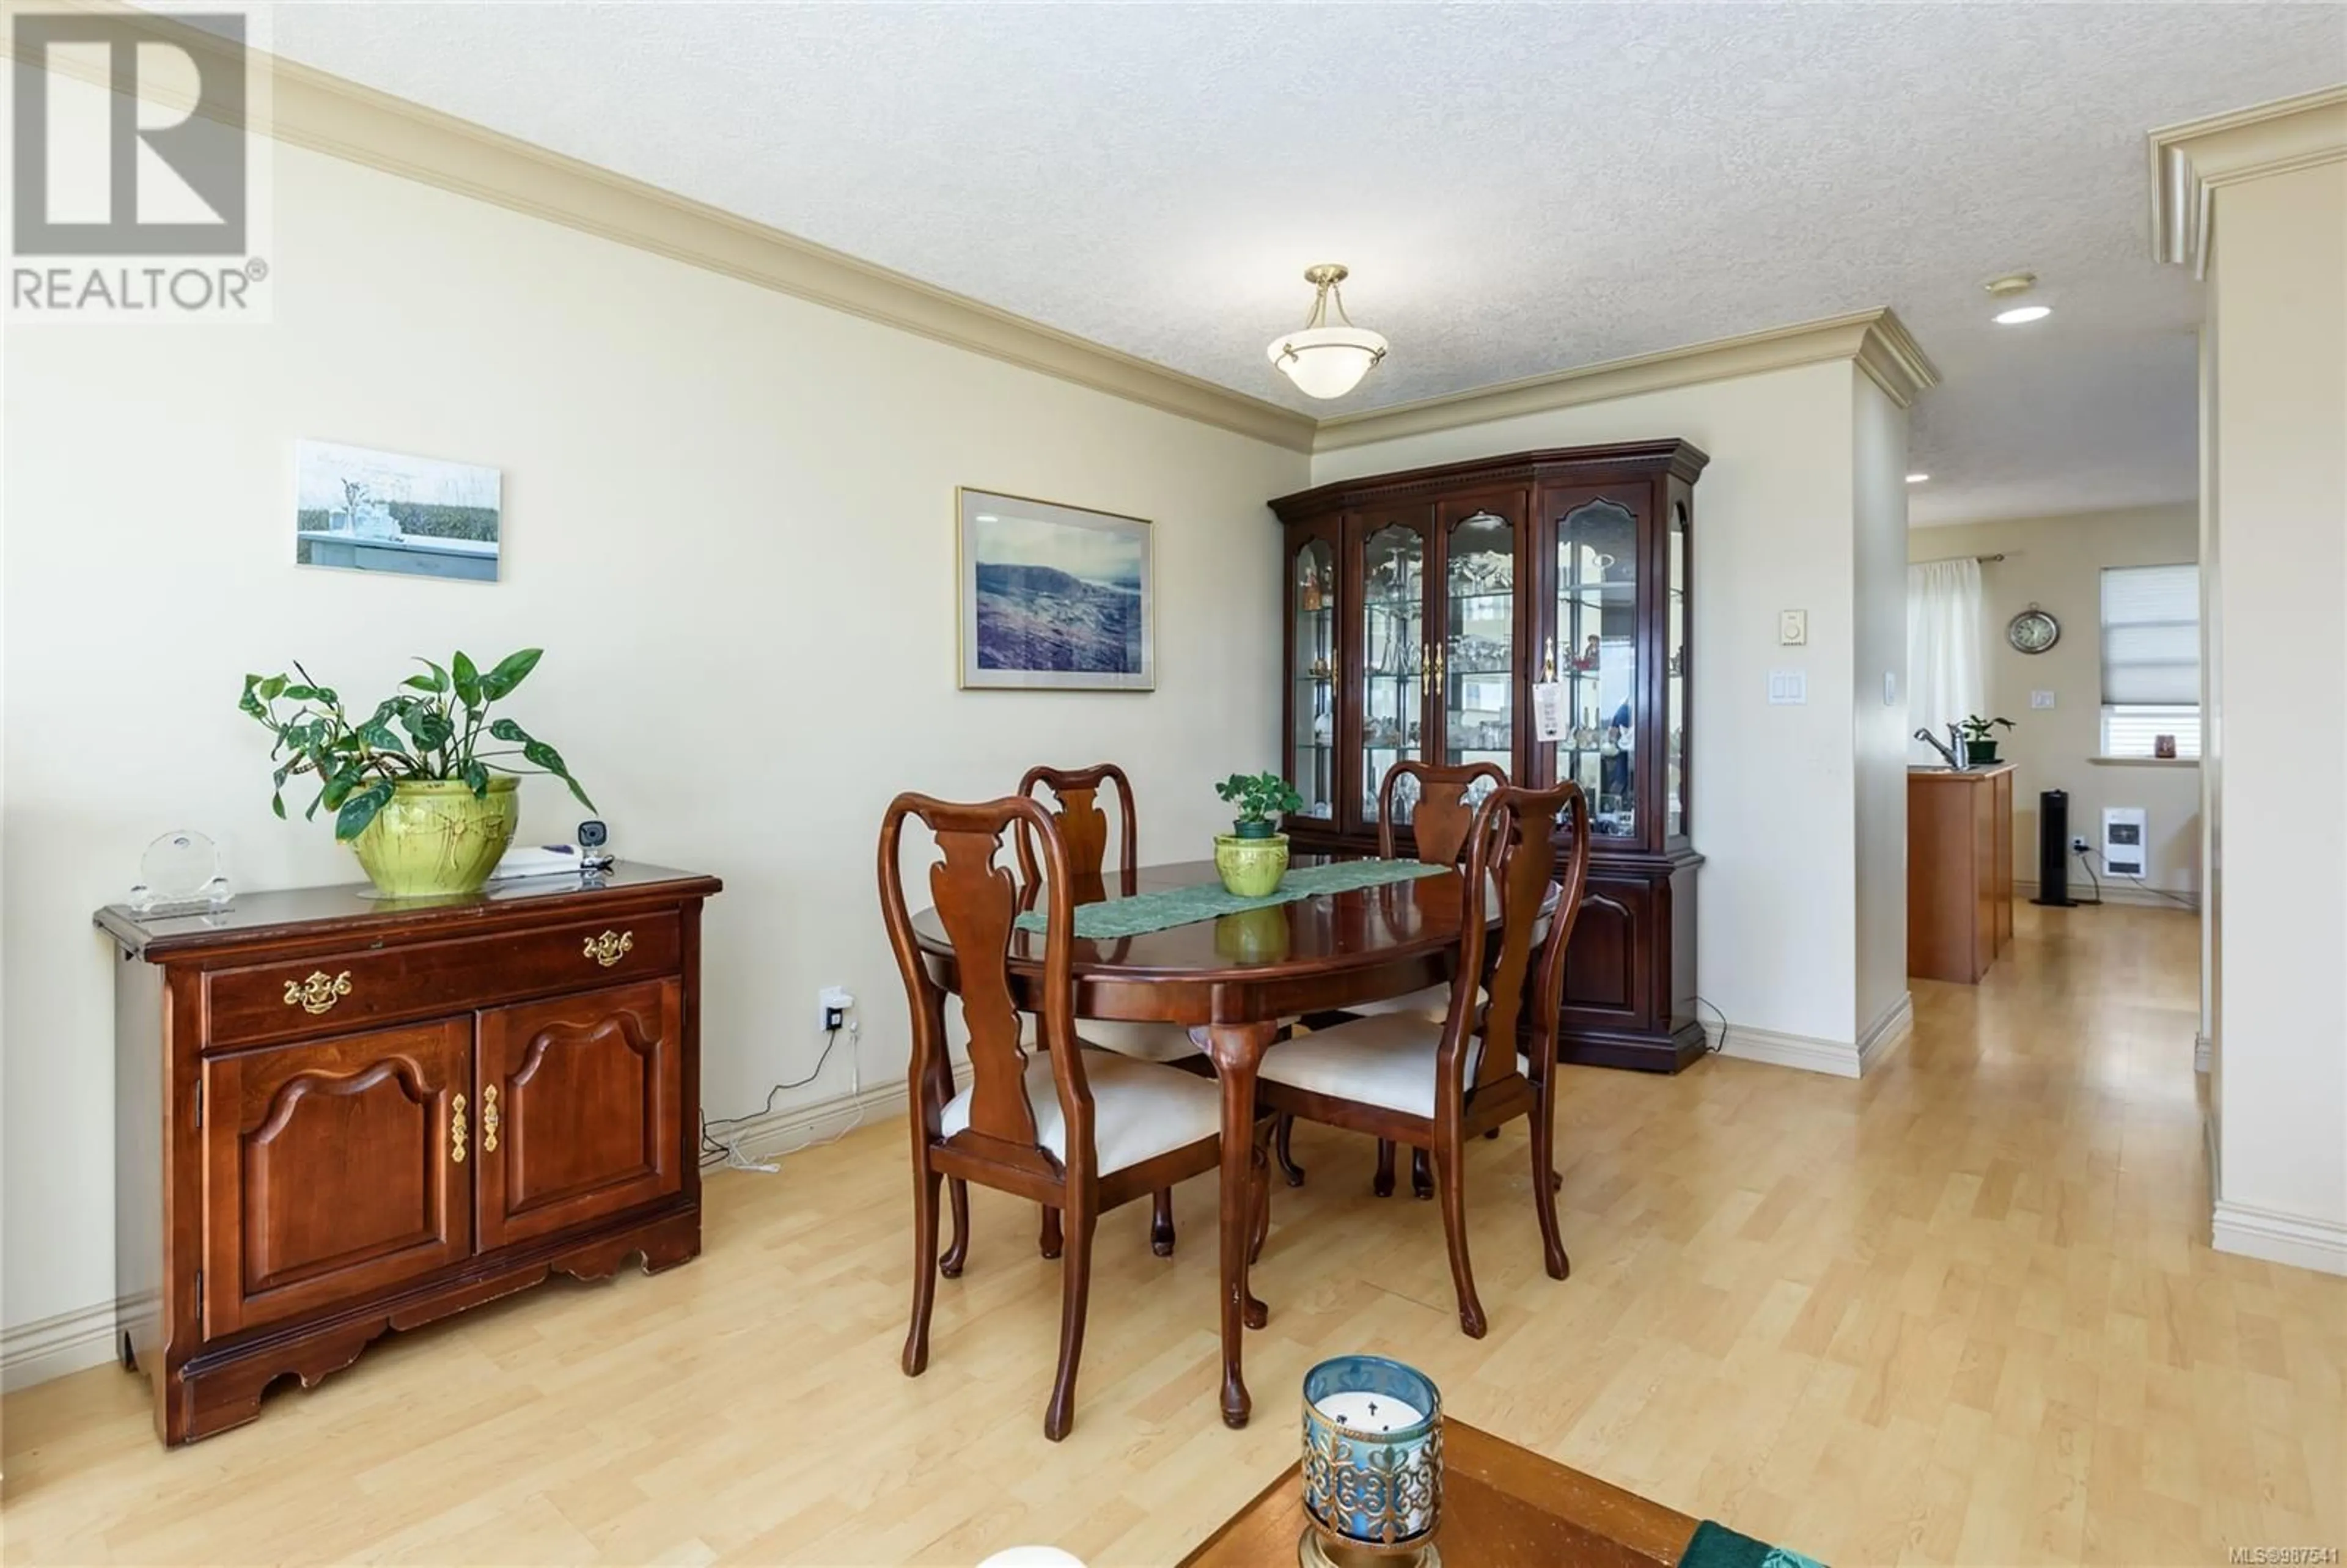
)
(2151, 635)
(2151, 659)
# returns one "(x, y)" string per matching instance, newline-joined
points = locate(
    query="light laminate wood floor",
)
(1960, 1312)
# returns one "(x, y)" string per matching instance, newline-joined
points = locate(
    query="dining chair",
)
(1407, 1079)
(1083, 828)
(1441, 811)
(1081, 1131)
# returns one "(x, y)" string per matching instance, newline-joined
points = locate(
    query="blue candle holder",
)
(1372, 1465)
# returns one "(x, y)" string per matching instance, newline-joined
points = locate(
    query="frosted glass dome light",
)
(1324, 360)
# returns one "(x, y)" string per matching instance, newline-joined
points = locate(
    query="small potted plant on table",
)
(1980, 739)
(425, 806)
(1253, 856)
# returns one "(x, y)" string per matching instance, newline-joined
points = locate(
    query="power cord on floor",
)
(1721, 1044)
(2177, 900)
(716, 1149)
(2082, 852)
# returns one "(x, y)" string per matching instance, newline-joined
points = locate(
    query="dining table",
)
(1237, 979)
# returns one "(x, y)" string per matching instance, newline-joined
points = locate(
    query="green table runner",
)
(1180, 906)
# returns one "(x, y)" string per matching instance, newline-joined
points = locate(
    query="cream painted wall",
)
(729, 520)
(1774, 786)
(2056, 563)
(2279, 315)
(1879, 723)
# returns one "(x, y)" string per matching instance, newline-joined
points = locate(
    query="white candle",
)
(1364, 1412)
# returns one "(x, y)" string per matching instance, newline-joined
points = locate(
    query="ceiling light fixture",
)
(2011, 286)
(1321, 359)
(1917, 478)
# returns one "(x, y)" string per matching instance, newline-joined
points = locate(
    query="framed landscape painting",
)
(1053, 598)
(365, 510)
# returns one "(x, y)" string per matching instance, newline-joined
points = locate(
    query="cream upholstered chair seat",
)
(1163, 1042)
(1387, 1059)
(1140, 1109)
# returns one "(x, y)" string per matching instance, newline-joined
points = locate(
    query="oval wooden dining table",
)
(1237, 977)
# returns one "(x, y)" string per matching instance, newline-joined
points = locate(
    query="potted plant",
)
(426, 809)
(1980, 739)
(1253, 856)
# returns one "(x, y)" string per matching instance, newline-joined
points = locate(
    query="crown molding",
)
(1876, 340)
(303, 107)
(326, 113)
(2190, 162)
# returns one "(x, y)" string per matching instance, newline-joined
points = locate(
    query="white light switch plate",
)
(2041, 699)
(1792, 628)
(1891, 688)
(1788, 686)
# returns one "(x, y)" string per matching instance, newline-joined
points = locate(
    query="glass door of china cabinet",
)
(1312, 621)
(1593, 647)
(1475, 649)
(1396, 672)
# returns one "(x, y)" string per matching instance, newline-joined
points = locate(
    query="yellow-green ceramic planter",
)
(436, 838)
(1253, 935)
(1251, 868)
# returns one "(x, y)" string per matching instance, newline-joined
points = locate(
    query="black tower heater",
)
(2053, 849)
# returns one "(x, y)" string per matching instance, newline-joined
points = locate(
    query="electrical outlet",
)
(2079, 845)
(835, 1001)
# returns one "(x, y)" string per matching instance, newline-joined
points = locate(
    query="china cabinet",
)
(1436, 613)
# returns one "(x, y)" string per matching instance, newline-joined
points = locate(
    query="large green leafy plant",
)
(432, 730)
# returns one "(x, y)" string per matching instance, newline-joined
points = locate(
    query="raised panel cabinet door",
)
(582, 1110)
(333, 1171)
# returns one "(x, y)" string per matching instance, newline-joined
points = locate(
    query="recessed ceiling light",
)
(2020, 313)
(1917, 478)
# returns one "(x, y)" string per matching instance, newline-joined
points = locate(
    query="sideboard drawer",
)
(342, 991)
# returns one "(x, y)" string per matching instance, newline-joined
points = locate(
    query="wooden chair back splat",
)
(1083, 828)
(1442, 817)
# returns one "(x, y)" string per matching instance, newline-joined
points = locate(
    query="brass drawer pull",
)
(319, 992)
(610, 947)
(489, 1119)
(456, 1131)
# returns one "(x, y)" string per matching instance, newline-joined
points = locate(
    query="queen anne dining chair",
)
(1078, 1130)
(1404, 1078)
(1441, 802)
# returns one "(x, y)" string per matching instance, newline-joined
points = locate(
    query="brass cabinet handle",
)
(610, 947)
(1551, 669)
(319, 992)
(456, 1131)
(489, 1119)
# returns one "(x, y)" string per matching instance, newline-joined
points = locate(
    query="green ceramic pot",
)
(436, 838)
(1980, 753)
(1251, 868)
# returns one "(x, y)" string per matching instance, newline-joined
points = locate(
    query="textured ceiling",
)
(1517, 189)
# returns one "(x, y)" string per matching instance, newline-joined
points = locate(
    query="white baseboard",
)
(2294, 1239)
(1887, 1032)
(1748, 1044)
(2119, 890)
(52, 1347)
(1840, 1059)
(795, 1126)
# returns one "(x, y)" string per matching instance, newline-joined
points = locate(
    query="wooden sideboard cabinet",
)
(337, 1116)
(1958, 871)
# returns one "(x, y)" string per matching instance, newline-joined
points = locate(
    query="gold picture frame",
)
(1051, 597)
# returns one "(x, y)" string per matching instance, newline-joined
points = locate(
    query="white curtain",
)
(1946, 680)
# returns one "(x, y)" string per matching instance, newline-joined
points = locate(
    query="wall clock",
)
(2033, 631)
